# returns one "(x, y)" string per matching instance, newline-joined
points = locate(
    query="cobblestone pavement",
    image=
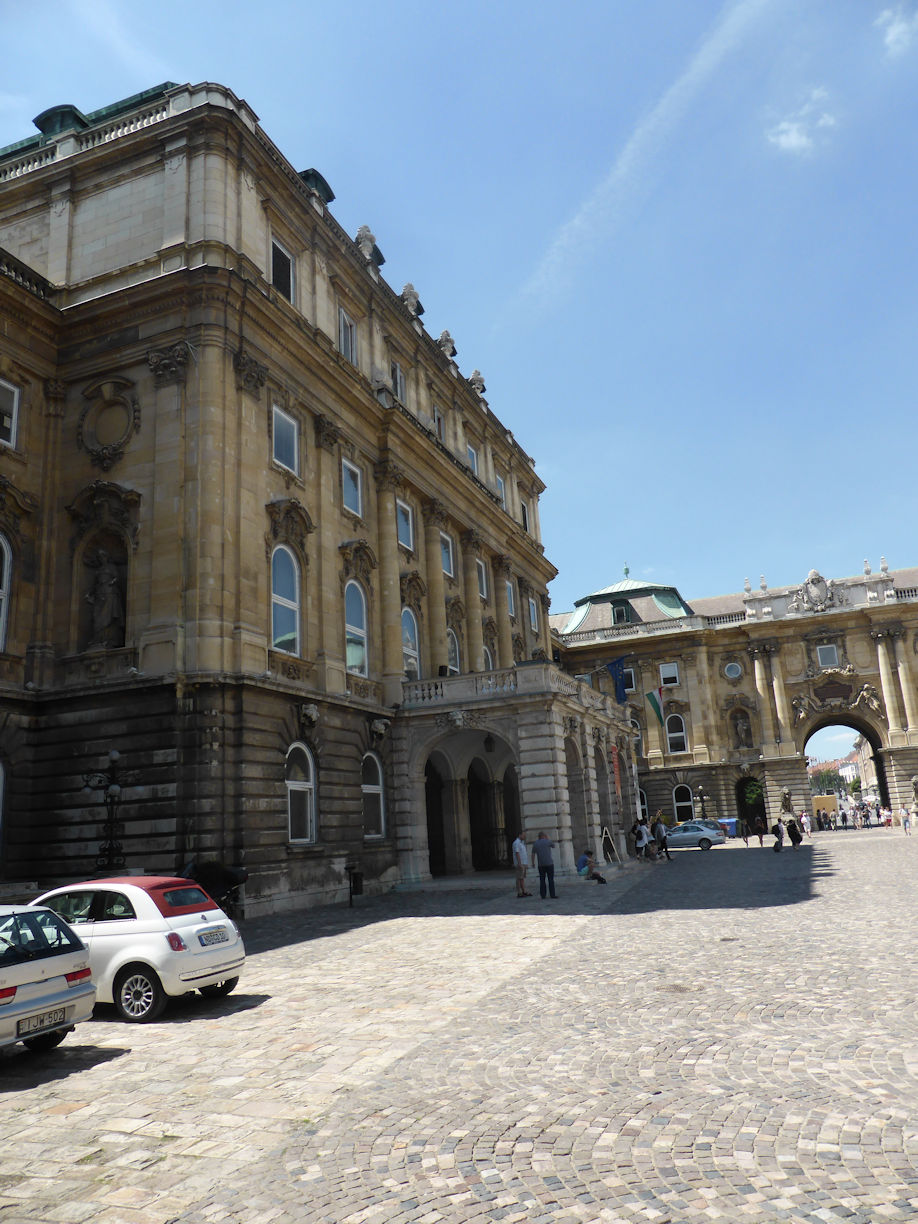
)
(730, 1036)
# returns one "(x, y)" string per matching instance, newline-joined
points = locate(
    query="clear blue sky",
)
(678, 239)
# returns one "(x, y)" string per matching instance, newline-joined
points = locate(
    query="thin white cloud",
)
(103, 19)
(900, 29)
(798, 132)
(600, 211)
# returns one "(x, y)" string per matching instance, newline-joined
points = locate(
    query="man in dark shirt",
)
(542, 853)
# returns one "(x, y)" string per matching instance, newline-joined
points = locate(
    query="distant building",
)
(271, 578)
(722, 694)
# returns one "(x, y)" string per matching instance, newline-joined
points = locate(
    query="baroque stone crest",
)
(111, 413)
(359, 561)
(103, 504)
(817, 594)
(836, 697)
(289, 523)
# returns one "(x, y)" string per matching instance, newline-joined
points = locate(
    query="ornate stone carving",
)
(435, 512)
(869, 698)
(455, 720)
(571, 726)
(111, 413)
(545, 601)
(308, 716)
(388, 476)
(55, 396)
(409, 296)
(455, 613)
(447, 347)
(14, 505)
(289, 524)
(471, 541)
(489, 633)
(327, 433)
(359, 561)
(251, 375)
(519, 648)
(413, 590)
(102, 505)
(502, 565)
(168, 365)
(817, 594)
(741, 729)
(366, 242)
(477, 383)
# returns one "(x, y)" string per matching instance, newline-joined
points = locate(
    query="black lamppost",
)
(111, 851)
(702, 797)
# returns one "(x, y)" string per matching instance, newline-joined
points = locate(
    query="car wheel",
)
(139, 997)
(219, 990)
(43, 1042)
(704, 844)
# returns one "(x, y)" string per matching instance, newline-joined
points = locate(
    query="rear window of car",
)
(181, 900)
(34, 936)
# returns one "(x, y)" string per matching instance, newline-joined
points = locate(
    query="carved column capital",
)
(251, 375)
(471, 541)
(327, 433)
(502, 565)
(167, 365)
(434, 511)
(388, 476)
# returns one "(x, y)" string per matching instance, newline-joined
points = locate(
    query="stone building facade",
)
(272, 585)
(723, 693)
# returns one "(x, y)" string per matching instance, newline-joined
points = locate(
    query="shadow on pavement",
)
(21, 1068)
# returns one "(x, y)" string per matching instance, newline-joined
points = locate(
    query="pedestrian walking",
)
(793, 832)
(906, 822)
(542, 856)
(521, 865)
(759, 830)
(777, 831)
(659, 836)
(805, 825)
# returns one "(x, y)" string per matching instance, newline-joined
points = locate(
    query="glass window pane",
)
(298, 769)
(285, 440)
(354, 612)
(283, 575)
(372, 814)
(356, 653)
(350, 483)
(369, 772)
(283, 628)
(403, 525)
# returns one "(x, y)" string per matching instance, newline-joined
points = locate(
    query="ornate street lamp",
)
(701, 798)
(111, 851)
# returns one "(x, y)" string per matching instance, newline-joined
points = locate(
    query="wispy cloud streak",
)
(900, 29)
(599, 213)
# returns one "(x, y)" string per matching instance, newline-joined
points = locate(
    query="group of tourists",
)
(650, 844)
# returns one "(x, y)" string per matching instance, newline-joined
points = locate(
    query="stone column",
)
(434, 520)
(545, 602)
(524, 591)
(906, 682)
(785, 733)
(500, 568)
(698, 705)
(762, 689)
(471, 549)
(388, 479)
(330, 662)
(887, 659)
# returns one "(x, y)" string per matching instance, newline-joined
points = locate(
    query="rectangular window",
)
(501, 490)
(347, 336)
(439, 421)
(533, 615)
(620, 615)
(404, 525)
(524, 514)
(351, 488)
(827, 656)
(286, 441)
(482, 578)
(473, 459)
(282, 271)
(446, 553)
(399, 387)
(9, 412)
(511, 599)
(630, 684)
(669, 674)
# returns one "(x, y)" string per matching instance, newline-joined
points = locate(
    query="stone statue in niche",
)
(742, 730)
(106, 600)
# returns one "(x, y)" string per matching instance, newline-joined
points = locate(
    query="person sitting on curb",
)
(587, 868)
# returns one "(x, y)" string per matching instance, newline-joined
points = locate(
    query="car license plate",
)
(44, 1020)
(219, 935)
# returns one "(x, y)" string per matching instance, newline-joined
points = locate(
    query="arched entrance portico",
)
(750, 803)
(877, 755)
(580, 839)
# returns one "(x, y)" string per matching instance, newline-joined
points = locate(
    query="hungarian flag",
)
(655, 701)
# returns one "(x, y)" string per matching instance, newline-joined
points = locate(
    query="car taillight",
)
(7, 994)
(80, 975)
(175, 942)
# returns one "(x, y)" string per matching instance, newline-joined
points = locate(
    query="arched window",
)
(452, 653)
(411, 655)
(683, 803)
(374, 801)
(488, 658)
(643, 799)
(6, 565)
(639, 741)
(285, 601)
(675, 733)
(300, 780)
(355, 629)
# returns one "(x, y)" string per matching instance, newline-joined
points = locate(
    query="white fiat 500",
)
(45, 980)
(149, 938)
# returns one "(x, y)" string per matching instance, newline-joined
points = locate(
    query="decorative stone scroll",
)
(413, 590)
(817, 595)
(455, 613)
(105, 506)
(168, 365)
(289, 524)
(327, 433)
(359, 562)
(251, 375)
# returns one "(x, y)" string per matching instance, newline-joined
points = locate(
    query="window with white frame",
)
(628, 677)
(683, 803)
(282, 270)
(351, 487)
(501, 490)
(472, 454)
(355, 629)
(411, 654)
(9, 412)
(286, 434)
(524, 513)
(639, 741)
(453, 658)
(827, 656)
(482, 577)
(439, 421)
(6, 565)
(404, 525)
(399, 386)
(511, 599)
(285, 601)
(347, 336)
(446, 554)
(372, 796)
(300, 780)
(669, 675)
(488, 658)
(675, 733)
(533, 615)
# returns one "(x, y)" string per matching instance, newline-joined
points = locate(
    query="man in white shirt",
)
(521, 863)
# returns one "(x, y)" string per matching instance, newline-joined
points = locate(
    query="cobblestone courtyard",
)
(730, 1036)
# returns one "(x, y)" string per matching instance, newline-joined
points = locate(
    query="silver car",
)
(46, 984)
(693, 833)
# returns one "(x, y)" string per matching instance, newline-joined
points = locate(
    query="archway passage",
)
(750, 803)
(575, 795)
(436, 836)
(487, 827)
(869, 766)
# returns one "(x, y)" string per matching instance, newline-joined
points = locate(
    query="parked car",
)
(46, 983)
(727, 826)
(694, 833)
(151, 938)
